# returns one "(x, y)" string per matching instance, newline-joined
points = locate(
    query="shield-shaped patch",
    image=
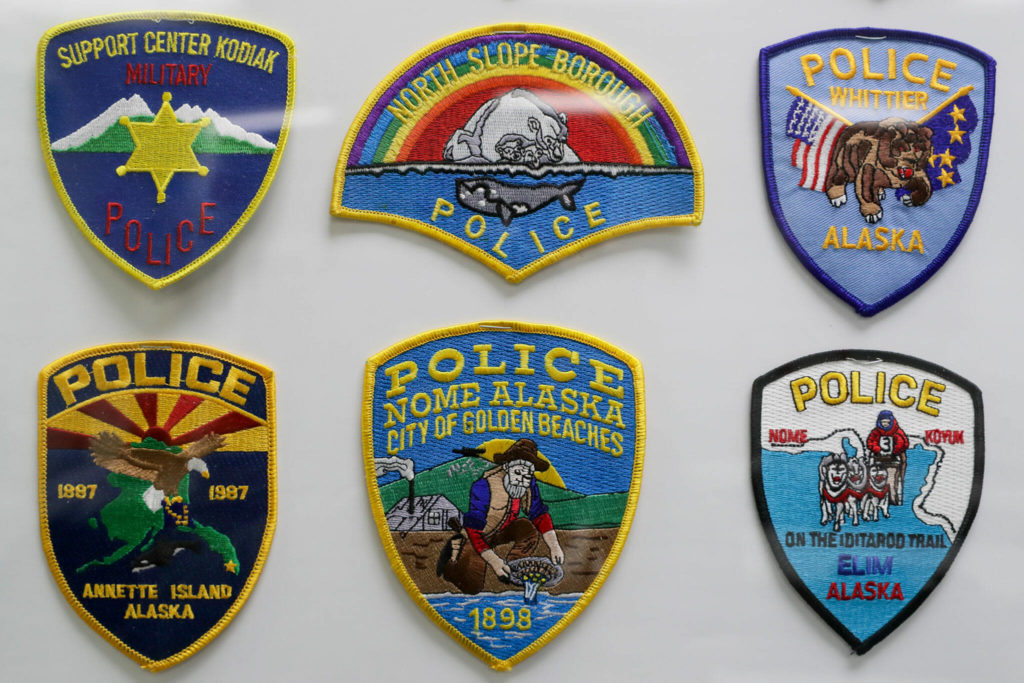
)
(162, 131)
(156, 490)
(519, 144)
(503, 462)
(867, 471)
(875, 147)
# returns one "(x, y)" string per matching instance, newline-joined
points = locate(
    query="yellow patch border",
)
(512, 274)
(51, 166)
(377, 507)
(268, 531)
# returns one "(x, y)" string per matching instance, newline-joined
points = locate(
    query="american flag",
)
(815, 132)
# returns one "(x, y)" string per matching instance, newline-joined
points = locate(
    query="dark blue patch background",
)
(75, 543)
(249, 97)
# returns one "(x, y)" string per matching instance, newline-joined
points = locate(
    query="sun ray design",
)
(175, 419)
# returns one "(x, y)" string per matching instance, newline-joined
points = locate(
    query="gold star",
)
(947, 178)
(163, 147)
(931, 160)
(231, 566)
(947, 158)
(956, 135)
(957, 114)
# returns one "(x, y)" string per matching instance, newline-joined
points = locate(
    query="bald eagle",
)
(164, 468)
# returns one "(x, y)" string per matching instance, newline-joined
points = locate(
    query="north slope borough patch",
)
(157, 490)
(867, 470)
(875, 148)
(162, 131)
(503, 462)
(519, 144)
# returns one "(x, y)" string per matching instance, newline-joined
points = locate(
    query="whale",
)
(494, 198)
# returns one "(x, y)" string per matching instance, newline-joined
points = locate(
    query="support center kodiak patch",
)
(157, 490)
(162, 131)
(519, 144)
(867, 471)
(503, 461)
(875, 148)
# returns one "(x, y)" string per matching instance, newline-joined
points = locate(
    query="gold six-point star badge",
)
(163, 147)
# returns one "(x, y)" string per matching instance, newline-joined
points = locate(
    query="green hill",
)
(569, 509)
(117, 139)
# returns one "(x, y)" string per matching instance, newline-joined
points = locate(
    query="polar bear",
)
(517, 128)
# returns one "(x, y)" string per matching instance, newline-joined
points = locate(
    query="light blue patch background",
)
(791, 494)
(870, 276)
(622, 199)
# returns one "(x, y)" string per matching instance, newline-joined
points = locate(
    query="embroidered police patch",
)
(503, 462)
(157, 490)
(867, 471)
(875, 147)
(519, 144)
(162, 131)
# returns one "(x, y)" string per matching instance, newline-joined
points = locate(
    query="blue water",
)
(791, 493)
(622, 199)
(500, 642)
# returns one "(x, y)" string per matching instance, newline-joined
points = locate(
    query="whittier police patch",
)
(162, 131)
(519, 144)
(867, 471)
(503, 462)
(156, 490)
(875, 147)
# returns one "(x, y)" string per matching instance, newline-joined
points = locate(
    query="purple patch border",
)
(771, 51)
(682, 158)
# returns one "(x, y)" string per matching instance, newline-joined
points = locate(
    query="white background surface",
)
(696, 594)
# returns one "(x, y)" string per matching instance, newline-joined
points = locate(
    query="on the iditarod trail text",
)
(194, 44)
(120, 371)
(594, 419)
(135, 592)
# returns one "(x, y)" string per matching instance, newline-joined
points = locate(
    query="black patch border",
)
(859, 646)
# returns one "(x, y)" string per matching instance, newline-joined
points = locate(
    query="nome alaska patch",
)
(875, 148)
(519, 144)
(157, 490)
(503, 462)
(867, 470)
(162, 131)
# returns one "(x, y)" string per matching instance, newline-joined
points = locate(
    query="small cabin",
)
(429, 513)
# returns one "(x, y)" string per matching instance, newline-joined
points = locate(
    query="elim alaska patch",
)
(162, 131)
(875, 148)
(503, 461)
(867, 470)
(157, 490)
(519, 144)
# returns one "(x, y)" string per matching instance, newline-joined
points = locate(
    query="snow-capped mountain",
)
(102, 133)
(133, 106)
(188, 113)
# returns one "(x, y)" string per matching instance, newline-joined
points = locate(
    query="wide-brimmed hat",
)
(524, 449)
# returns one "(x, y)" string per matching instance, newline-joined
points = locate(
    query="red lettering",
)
(203, 217)
(787, 435)
(128, 232)
(882, 588)
(182, 248)
(167, 249)
(193, 74)
(149, 251)
(833, 592)
(869, 590)
(110, 214)
(206, 71)
(897, 592)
